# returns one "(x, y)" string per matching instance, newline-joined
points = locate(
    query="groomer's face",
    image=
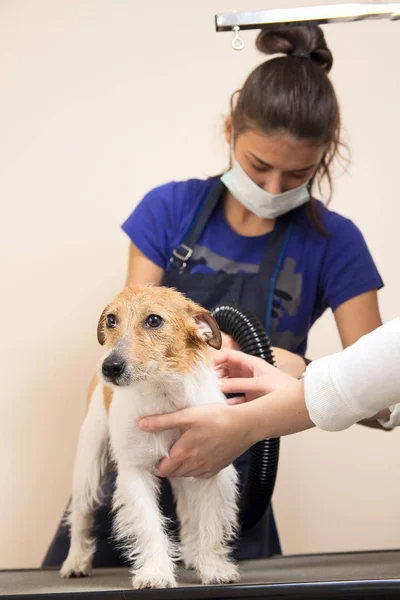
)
(277, 162)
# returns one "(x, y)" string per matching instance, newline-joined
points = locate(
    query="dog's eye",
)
(111, 321)
(154, 321)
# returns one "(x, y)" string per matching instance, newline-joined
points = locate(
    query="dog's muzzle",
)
(113, 368)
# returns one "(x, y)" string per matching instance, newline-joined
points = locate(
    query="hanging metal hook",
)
(305, 15)
(237, 42)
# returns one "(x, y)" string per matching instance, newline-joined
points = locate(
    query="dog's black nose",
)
(113, 367)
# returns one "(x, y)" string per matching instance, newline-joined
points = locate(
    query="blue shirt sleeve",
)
(160, 221)
(151, 224)
(348, 269)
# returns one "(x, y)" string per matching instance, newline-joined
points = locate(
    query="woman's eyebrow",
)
(260, 160)
(263, 162)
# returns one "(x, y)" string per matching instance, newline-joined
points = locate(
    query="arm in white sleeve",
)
(356, 383)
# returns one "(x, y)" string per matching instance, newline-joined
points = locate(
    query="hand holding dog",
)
(213, 436)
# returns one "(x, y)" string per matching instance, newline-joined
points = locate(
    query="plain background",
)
(100, 101)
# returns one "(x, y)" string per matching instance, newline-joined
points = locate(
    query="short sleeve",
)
(348, 267)
(150, 225)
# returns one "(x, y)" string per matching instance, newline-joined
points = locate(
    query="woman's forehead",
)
(280, 151)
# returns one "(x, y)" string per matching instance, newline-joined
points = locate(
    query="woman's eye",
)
(301, 175)
(154, 321)
(258, 168)
(111, 321)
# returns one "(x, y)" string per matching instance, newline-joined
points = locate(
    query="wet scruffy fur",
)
(156, 361)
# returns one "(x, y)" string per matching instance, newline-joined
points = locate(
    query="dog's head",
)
(153, 331)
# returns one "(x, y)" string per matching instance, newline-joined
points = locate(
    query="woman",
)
(256, 236)
(361, 382)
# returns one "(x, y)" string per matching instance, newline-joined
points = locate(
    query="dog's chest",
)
(131, 445)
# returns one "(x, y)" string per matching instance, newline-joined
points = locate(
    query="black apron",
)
(253, 292)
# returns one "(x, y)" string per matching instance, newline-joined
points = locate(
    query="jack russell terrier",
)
(156, 361)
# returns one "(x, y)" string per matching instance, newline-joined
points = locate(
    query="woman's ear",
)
(228, 129)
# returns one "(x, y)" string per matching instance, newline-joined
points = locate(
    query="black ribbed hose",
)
(251, 337)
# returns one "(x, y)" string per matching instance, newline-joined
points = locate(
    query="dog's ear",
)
(101, 338)
(208, 329)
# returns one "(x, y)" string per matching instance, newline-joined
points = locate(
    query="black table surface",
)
(343, 575)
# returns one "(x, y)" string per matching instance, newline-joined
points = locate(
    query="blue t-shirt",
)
(317, 272)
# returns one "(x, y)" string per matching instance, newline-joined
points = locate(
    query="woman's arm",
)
(358, 382)
(141, 270)
(354, 318)
(290, 363)
(336, 392)
(357, 317)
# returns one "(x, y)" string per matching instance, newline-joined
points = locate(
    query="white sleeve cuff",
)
(394, 419)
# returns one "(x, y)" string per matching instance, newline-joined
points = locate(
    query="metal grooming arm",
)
(288, 17)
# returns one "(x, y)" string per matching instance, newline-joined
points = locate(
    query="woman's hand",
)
(213, 436)
(228, 343)
(241, 373)
(288, 362)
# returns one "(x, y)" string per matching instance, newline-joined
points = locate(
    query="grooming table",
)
(321, 576)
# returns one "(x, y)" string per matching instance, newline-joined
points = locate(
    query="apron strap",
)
(277, 240)
(273, 259)
(182, 253)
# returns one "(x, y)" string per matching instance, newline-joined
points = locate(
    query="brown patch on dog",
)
(187, 328)
(101, 337)
(93, 385)
(207, 323)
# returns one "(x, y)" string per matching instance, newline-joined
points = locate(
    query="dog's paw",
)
(188, 561)
(141, 583)
(219, 572)
(76, 567)
(153, 578)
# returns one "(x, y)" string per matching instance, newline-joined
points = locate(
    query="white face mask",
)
(259, 201)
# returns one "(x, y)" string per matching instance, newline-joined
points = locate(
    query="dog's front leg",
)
(207, 511)
(90, 464)
(141, 527)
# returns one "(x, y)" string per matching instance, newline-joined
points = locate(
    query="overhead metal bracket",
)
(289, 17)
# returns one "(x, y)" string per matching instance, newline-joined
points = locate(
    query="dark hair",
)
(293, 94)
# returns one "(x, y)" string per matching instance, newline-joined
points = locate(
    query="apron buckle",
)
(182, 258)
(177, 252)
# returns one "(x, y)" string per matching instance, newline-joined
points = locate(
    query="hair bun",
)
(309, 39)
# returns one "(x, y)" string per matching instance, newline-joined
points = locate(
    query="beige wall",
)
(100, 101)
